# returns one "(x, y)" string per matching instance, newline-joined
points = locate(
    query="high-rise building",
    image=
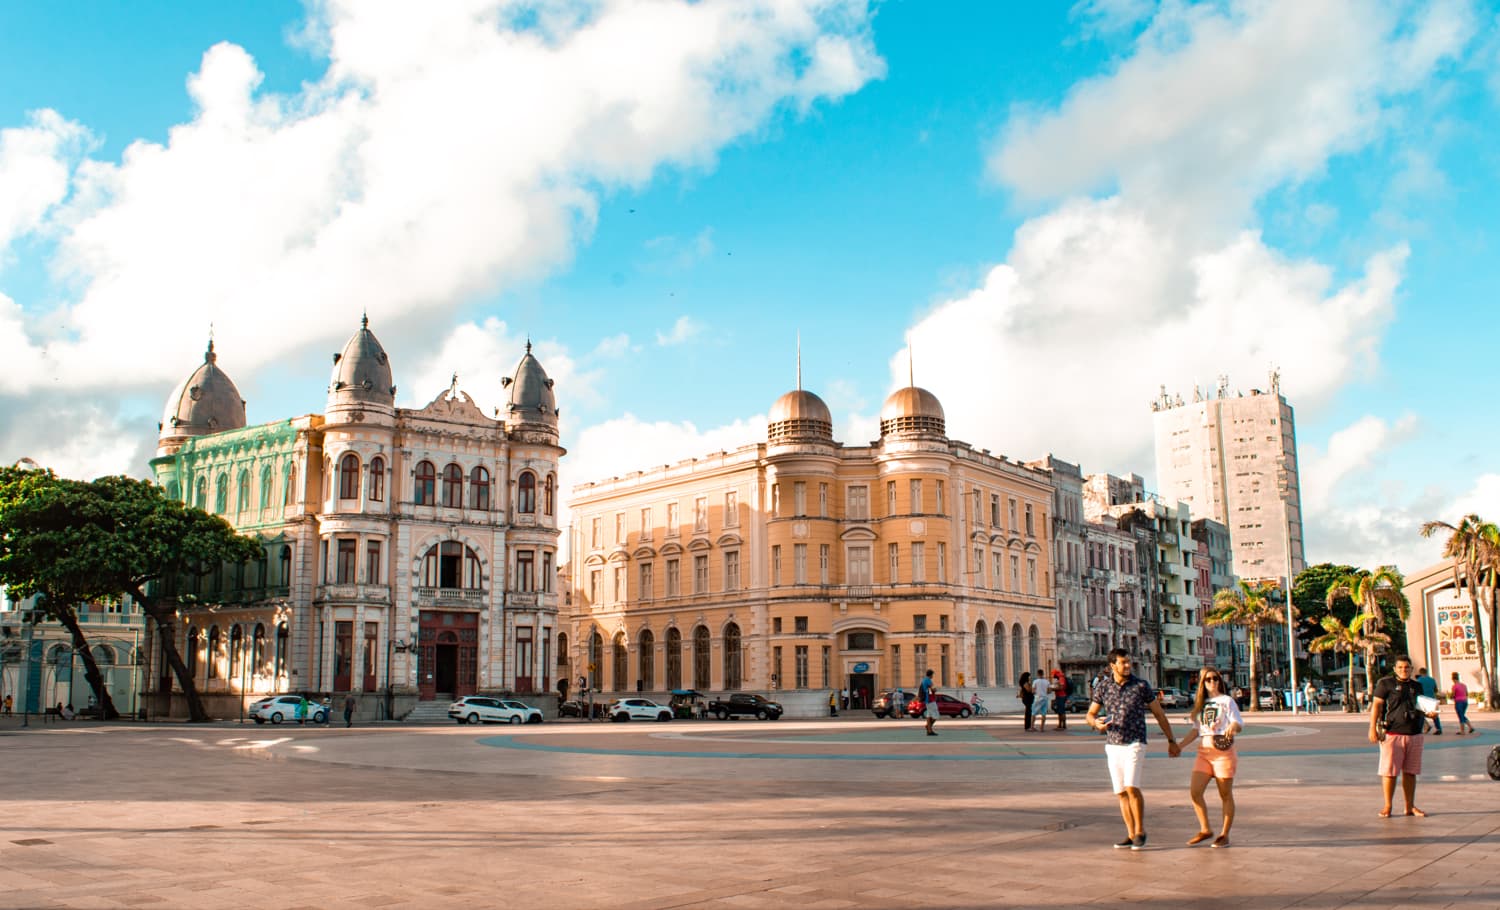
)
(1233, 458)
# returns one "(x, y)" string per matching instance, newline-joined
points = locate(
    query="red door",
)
(343, 655)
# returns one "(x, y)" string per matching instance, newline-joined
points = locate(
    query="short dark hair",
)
(929, 672)
(1117, 653)
(1400, 658)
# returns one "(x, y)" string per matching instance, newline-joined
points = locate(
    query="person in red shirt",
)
(1460, 695)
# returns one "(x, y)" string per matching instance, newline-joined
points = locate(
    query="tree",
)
(119, 535)
(31, 496)
(1310, 592)
(1347, 639)
(1375, 593)
(1473, 545)
(1249, 606)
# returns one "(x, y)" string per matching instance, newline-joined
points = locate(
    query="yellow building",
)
(803, 565)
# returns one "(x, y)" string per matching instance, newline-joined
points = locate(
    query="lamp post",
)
(1284, 489)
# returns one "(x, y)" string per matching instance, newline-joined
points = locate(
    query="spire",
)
(528, 344)
(364, 319)
(799, 361)
(209, 356)
(911, 371)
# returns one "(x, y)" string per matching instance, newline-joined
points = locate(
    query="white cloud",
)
(35, 161)
(1383, 527)
(446, 152)
(1352, 451)
(683, 330)
(671, 253)
(481, 354)
(613, 346)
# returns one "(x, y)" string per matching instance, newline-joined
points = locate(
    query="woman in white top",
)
(1216, 719)
(1042, 686)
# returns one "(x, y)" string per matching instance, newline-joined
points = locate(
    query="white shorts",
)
(931, 710)
(1125, 765)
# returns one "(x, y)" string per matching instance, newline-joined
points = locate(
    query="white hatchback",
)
(280, 708)
(485, 709)
(623, 709)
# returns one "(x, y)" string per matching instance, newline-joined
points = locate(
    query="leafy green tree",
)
(35, 493)
(1474, 546)
(119, 535)
(1379, 598)
(1310, 593)
(1249, 606)
(1347, 639)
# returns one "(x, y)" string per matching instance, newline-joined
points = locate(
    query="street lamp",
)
(1284, 489)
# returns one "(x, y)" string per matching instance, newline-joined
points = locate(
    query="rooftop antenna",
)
(799, 361)
(210, 355)
(911, 370)
(364, 318)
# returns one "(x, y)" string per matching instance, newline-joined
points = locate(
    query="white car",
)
(485, 709)
(280, 708)
(623, 709)
(1170, 698)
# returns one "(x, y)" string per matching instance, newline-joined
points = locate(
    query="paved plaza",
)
(849, 813)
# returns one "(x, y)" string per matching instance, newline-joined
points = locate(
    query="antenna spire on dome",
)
(209, 356)
(364, 319)
(799, 361)
(528, 344)
(911, 370)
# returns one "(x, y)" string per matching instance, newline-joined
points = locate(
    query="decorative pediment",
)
(453, 404)
(857, 532)
(619, 555)
(699, 544)
(671, 548)
(644, 553)
(729, 539)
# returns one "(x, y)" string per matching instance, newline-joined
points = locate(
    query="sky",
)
(1056, 209)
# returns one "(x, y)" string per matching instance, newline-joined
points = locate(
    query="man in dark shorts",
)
(1395, 702)
(1126, 698)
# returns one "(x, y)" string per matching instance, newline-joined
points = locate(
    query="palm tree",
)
(1474, 547)
(1249, 605)
(1372, 593)
(1347, 639)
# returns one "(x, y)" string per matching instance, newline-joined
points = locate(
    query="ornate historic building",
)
(803, 565)
(410, 554)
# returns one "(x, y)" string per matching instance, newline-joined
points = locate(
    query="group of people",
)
(1040, 693)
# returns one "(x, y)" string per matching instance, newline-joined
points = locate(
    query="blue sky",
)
(1061, 208)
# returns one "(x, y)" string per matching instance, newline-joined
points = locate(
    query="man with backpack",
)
(1061, 689)
(1396, 726)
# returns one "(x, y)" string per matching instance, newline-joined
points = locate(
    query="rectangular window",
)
(1030, 531)
(732, 570)
(942, 563)
(671, 519)
(372, 563)
(978, 567)
(890, 497)
(700, 514)
(942, 622)
(919, 657)
(896, 665)
(1013, 515)
(915, 506)
(776, 565)
(997, 574)
(700, 574)
(940, 506)
(594, 586)
(918, 562)
(799, 625)
(346, 557)
(619, 527)
(827, 677)
(646, 524)
(823, 549)
(776, 667)
(822, 500)
(525, 570)
(674, 577)
(799, 563)
(1030, 575)
(776, 625)
(945, 667)
(731, 509)
(1015, 573)
(799, 499)
(595, 528)
(775, 500)
(859, 566)
(893, 561)
(859, 502)
(547, 571)
(919, 622)
(801, 670)
(647, 582)
(994, 510)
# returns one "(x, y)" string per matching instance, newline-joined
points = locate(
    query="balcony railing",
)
(521, 598)
(355, 592)
(450, 597)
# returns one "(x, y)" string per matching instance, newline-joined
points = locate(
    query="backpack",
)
(1402, 711)
(1067, 687)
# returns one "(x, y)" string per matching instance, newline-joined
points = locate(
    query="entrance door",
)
(861, 690)
(445, 663)
(343, 656)
(448, 654)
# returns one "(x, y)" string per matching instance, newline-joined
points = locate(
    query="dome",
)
(800, 415)
(531, 398)
(362, 372)
(206, 402)
(912, 412)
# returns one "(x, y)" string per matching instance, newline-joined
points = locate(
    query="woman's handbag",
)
(1223, 742)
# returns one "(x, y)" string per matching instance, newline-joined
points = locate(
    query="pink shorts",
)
(1220, 763)
(1400, 754)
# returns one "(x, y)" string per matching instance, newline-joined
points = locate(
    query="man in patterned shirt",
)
(1126, 698)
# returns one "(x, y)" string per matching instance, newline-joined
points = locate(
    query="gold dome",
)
(912, 412)
(800, 416)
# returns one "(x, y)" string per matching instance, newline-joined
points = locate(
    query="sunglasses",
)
(1212, 679)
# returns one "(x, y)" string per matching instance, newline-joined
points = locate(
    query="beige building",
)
(1234, 459)
(803, 565)
(1443, 630)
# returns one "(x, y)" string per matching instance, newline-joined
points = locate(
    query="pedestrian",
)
(1126, 698)
(844, 699)
(1027, 695)
(927, 694)
(301, 708)
(1429, 689)
(1216, 721)
(1396, 726)
(1043, 688)
(1060, 698)
(833, 703)
(349, 704)
(1459, 694)
(1310, 698)
(8, 702)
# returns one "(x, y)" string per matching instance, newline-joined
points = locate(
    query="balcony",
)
(449, 597)
(378, 594)
(1172, 567)
(521, 598)
(1074, 646)
(1169, 538)
(859, 592)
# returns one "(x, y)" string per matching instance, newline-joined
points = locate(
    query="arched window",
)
(221, 494)
(285, 578)
(211, 660)
(674, 659)
(265, 487)
(453, 487)
(562, 656)
(192, 654)
(621, 661)
(999, 654)
(450, 564)
(104, 655)
(981, 654)
(377, 479)
(236, 651)
(596, 659)
(1034, 637)
(258, 652)
(61, 658)
(732, 657)
(281, 645)
(425, 491)
(242, 493)
(646, 644)
(349, 476)
(700, 657)
(549, 495)
(1017, 644)
(479, 489)
(200, 495)
(289, 496)
(526, 493)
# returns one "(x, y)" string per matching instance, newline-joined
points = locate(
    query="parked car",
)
(948, 706)
(1324, 696)
(747, 704)
(1171, 698)
(1269, 700)
(486, 709)
(624, 709)
(891, 702)
(280, 708)
(1078, 703)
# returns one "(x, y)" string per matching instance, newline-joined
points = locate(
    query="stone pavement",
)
(840, 813)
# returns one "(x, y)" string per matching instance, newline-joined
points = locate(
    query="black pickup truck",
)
(742, 703)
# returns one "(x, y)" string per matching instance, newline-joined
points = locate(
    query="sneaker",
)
(1139, 843)
(1125, 844)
